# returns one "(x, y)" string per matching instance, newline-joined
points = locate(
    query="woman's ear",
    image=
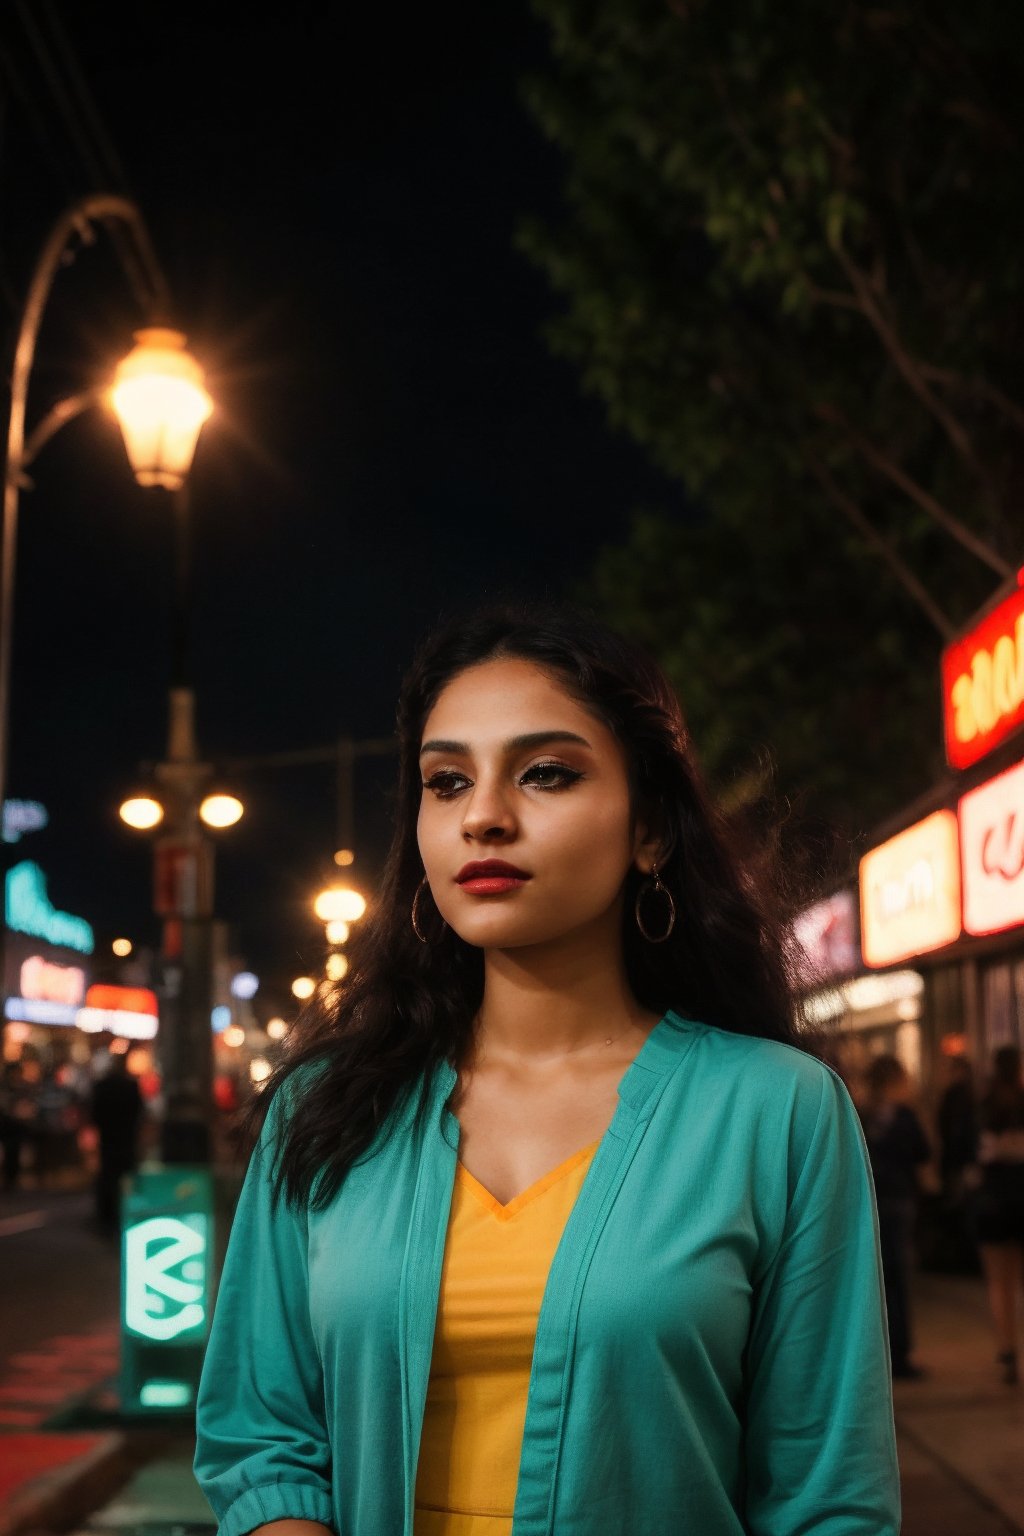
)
(649, 847)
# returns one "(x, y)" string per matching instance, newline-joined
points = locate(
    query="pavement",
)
(960, 1433)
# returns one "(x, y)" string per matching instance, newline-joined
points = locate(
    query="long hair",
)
(407, 1006)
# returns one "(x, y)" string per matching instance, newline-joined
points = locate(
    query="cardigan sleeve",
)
(262, 1448)
(820, 1444)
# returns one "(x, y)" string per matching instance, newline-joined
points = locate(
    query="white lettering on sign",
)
(162, 1258)
(914, 889)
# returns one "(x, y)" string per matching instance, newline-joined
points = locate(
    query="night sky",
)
(334, 194)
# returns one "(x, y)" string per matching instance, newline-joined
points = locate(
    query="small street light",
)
(303, 988)
(141, 812)
(221, 810)
(339, 904)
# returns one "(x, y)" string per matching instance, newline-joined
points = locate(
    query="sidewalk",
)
(960, 1432)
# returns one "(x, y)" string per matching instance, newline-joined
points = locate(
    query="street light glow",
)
(337, 932)
(303, 987)
(234, 1036)
(160, 400)
(337, 967)
(276, 1029)
(221, 810)
(141, 812)
(122, 948)
(339, 903)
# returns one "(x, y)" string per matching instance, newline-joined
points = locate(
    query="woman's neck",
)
(543, 1003)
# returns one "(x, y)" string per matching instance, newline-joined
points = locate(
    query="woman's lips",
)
(492, 885)
(490, 877)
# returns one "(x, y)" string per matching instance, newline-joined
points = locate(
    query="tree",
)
(790, 266)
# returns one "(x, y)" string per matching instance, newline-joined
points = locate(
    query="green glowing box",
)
(167, 1280)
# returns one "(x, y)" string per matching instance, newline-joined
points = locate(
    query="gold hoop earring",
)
(417, 930)
(654, 886)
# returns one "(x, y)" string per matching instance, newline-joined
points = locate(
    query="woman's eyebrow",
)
(514, 743)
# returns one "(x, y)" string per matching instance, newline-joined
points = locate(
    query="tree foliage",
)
(790, 266)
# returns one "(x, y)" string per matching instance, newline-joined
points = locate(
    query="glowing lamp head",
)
(339, 904)
(276, 1029)
(160, 400)
(337, 932)
(141, 812)
(303, 987)
(234, 1036)
(122, 948)
(221, 810)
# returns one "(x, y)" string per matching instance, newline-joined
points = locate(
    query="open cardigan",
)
(710, 1356)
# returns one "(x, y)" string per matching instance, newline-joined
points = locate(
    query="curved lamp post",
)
(160, 400)
(158, 396)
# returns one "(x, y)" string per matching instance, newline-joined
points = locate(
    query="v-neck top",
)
(710, 1354)
(496, 1264)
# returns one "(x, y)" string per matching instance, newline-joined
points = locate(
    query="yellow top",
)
(496, 1265)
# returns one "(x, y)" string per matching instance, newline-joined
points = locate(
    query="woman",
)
(551, 1229)
(1000, 1202)
(897, 1147)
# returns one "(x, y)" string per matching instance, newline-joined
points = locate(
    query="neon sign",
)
(21, 816)
(46, 982)
(130, 1012)
(983, 683)
(165, 1276)
(29, 911)
(992, 849)
(910, 892)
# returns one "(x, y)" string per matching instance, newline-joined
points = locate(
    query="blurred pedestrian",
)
(550, 1214)
(117, 1115)
(1000, 1201)
(957, 1124)
(897, 1147)
(17, 1112)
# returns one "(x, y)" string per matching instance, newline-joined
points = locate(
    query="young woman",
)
(999, 1211)
(551, 1229)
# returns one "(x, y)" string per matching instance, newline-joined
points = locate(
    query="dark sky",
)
(334, 193)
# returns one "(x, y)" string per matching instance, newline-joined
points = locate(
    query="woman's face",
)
(520, 779)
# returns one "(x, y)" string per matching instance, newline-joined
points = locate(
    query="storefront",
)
(946, 892)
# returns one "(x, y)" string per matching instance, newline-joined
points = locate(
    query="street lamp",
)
(159, 397)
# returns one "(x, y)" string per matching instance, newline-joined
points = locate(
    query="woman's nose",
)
(489, 815)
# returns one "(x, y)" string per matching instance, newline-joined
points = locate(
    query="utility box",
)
(168, 1276)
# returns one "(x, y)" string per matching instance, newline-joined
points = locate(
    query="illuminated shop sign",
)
(29, 911)
(983, 683)
(992, 852)
(42, 980)
(897, 993)
(29, 1010)
(910, 892)
(826, 939)
(21, 816)
(130, 1012)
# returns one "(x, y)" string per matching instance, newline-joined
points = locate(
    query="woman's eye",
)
(445, 784)
(551, 776)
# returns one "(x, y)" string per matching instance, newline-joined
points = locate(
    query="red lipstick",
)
(490, 877)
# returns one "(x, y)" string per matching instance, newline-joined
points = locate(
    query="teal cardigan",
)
(711, 1352)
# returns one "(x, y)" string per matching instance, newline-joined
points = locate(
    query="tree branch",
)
(904, 575)
(905, 365)
(917, 493)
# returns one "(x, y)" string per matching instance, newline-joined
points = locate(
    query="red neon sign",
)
(983, 683)
(122, 999)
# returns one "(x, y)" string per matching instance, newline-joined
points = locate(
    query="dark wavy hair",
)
(406, 1006)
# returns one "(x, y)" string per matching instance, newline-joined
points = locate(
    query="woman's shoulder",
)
(760, 1060)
